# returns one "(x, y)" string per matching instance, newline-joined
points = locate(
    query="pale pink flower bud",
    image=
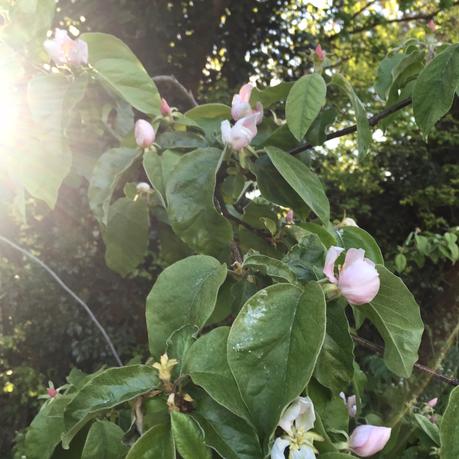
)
(320, 53)
(52, 392)
(348, 222)
(241, 134)
(63, 50)
(289, 217)
(368, 440)
(240, 107)
(358, 280)
(431, 25)
(143, 187)
(433, 403)
(165, 108)
(144, 133)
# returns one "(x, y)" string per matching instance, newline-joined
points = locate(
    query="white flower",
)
(296, 421)
(65, 51)
(241, 134)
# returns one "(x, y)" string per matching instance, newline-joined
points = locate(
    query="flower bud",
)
(240, 107)
(289, 217)
(63, 50)
(432, 403)
(241, 134)
(143, 187)
(52, 392)
(144, 133)
(348, 222)
(368, 440)
(431, 25)
(358, 281)
(165, 108)
(351, 404)
(320, 53)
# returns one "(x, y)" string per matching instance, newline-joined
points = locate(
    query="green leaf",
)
(106, 175)
(270, 95)
(106, 390)
(449, 428)
(316, 134)
(395, 314)
(158, 169)
(178, 344)
(306, 259)
(304, 102)
(429, 428)
(208, 367)
(434, 90)
(276, 337)
(209, 117)
(302, 180)
(118, 66)
(184, 294)
(272, 267)
(156, 443)
(44, 433)
(363, 128)
(188, 437)
(384, 78)
(190, 197)
(400, 262)
(181, 140)
(225, 432)
(126, 235)
(334, 367)
(325, 236)
(104, 441)
(354, 237)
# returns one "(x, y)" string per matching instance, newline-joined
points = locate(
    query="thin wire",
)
(70, 292)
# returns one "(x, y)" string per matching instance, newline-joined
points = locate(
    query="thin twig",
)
(380, 350)
(170, 79)
(70, 292)
(349, 130)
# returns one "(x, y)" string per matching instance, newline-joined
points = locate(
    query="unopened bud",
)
(144, 133)
(431, 25)
(52, 392)
(320, 53)
(143, 187)
(164, 108)
(433, 403)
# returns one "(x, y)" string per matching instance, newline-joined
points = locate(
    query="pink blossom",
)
(144, 133)
(358, 280)
(241, 134)
(431, 25)
(320, 53)
(165, 108)
(241, 108)
(433, 403)
(63, 50)
(368, 440)
(52, 392)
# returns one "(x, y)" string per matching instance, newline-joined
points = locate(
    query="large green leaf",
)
(272, 94)
(118, 66)
(126, 235)
(184, 294)
(44, 433)
(428, 427)
(190, 198)
(304, 102)
(395, 314)
(302, 180)
(188, 437)
(434, 90)
(334, 367)
(156, 443)
(384, 77)
(180, 140)
(105, 391)
(363, 127)
(449, 428)
(158, 169)
(352, 236)
(273, 347)
(208, 367)
(106, 175)
(104, 441)
(225, 432)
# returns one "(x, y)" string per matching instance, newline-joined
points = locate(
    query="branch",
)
(380, 351)
(349, 130)
(170, 79)
(70, 292)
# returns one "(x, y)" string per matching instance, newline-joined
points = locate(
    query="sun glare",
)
(8, 109)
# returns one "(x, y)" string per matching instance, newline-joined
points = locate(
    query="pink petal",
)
(245, 92)
(329, 267)
(352, 256)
